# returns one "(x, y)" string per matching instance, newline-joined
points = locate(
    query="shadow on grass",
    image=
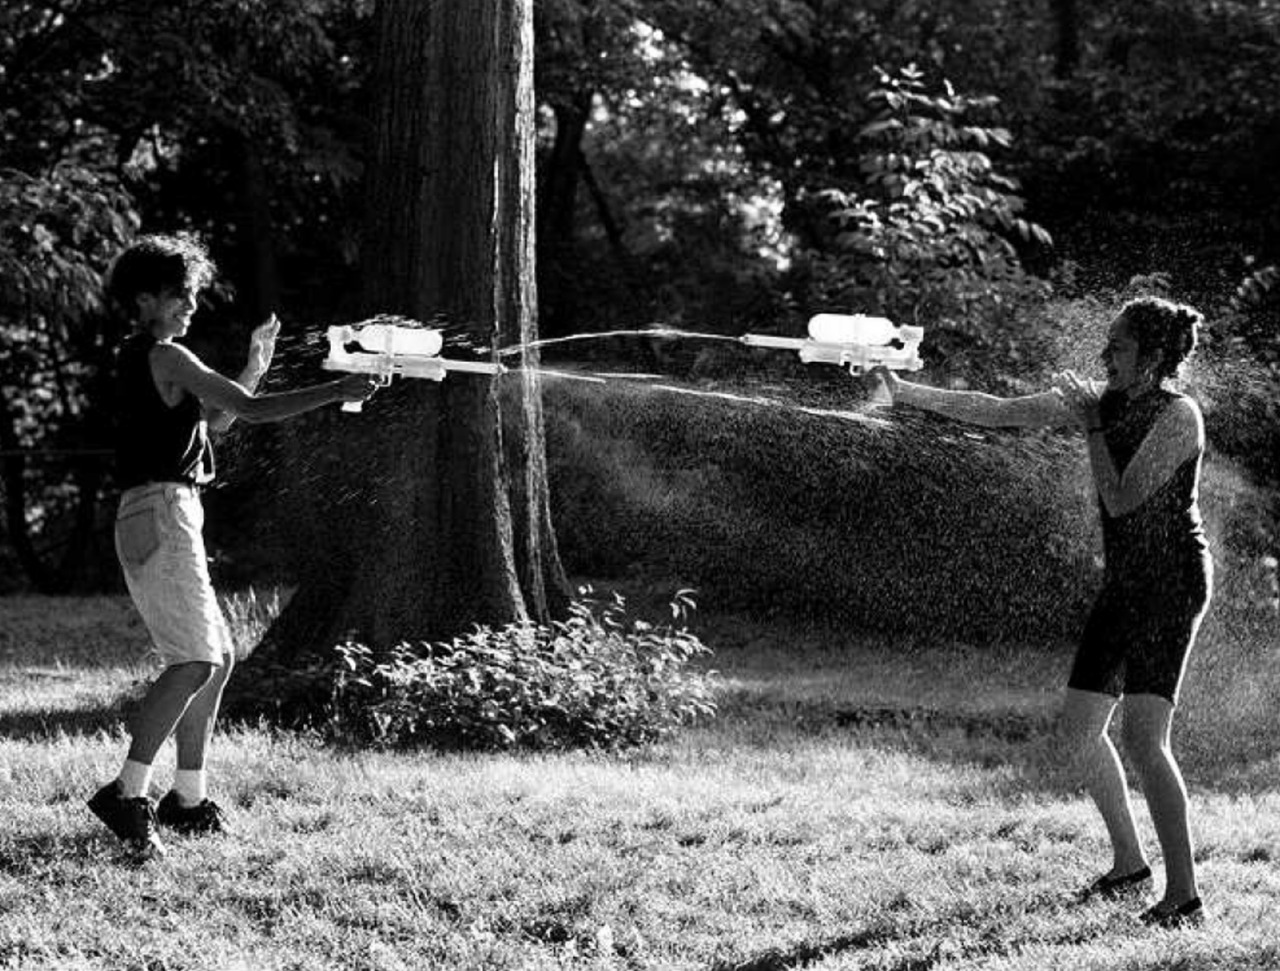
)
(40, 855)
(53, 723)
(1024, 743)
(948, 938)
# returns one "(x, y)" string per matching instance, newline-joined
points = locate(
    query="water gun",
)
(385, 349)
(855, 341)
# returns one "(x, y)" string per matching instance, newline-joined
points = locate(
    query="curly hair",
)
(1161, 325)
(156, 263)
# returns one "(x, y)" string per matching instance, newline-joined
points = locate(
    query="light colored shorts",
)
(161, 548)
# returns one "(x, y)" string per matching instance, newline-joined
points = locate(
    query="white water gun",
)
(855, 341)
(385, 350)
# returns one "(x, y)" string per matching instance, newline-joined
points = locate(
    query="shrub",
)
(896, 522)
(597, 680)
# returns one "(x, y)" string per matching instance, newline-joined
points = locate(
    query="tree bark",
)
(431, 514)
(557, 217)
(1066, 19)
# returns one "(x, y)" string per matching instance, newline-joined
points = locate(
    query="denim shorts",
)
(161, 549)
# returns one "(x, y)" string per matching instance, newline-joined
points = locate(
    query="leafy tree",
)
(930, 233)
(57, 233)
(118, 115)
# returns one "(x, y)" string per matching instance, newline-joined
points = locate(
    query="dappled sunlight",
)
(773, 834)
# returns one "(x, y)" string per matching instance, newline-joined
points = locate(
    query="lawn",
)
(859, 803)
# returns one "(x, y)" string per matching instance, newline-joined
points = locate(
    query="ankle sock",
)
(134, 779)
(191, 786)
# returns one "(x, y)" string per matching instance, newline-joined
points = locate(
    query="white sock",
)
(134, 779)
(191, 786)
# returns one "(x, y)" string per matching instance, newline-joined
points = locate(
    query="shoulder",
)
(1182, 416)
(1183, 408)
(169, 354)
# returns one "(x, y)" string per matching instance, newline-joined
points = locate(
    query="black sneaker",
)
(132, 820)
(206, 818)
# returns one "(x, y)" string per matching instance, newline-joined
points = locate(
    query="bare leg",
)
(195, 728)
(1085, 716)
(1148, 720)
(164, 705)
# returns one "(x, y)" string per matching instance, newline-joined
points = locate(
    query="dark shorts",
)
(1138, 636)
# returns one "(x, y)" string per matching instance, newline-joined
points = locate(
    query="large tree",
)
(430, 509)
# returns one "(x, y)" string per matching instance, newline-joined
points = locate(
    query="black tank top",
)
(1164, 537)
(155, 442)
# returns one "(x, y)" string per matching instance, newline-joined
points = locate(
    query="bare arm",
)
(1176, 437)
(219, 418)
(262, 345)
(175, 369)
(978, 408)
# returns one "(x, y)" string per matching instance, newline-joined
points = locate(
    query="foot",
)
(1171, 917)
(132, 820)
(1112, 886)
(199, 820)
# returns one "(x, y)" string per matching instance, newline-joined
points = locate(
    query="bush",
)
(894, 522)
(595, 680)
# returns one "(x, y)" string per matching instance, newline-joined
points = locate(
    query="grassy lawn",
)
(859, 803)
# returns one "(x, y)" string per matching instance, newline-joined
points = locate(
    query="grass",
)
(860, 803)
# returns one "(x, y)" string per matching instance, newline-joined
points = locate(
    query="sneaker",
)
(132, 820)
(199, 820)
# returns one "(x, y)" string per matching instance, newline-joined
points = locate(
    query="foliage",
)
(1158, 151)
(57, 234)
(58, 231)
(930, 235)
(596, 679)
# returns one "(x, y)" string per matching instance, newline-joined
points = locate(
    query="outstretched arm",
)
(173, 366)
(978, 408)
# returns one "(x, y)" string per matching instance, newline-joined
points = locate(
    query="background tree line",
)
(723, 165)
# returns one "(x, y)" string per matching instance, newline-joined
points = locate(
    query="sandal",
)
(1109, 888)
(1171, 918)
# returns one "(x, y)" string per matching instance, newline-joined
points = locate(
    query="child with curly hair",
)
(168, 401)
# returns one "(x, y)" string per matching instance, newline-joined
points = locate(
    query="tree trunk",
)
(557, 218)
(1066, 19)
(435, 515)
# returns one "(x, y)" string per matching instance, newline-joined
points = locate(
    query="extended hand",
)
(1082, 396)
(262, 344)
(359, 387)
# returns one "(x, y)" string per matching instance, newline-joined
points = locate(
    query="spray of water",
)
(654, 332)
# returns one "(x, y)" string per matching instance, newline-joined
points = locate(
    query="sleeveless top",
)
(1163, 539)
(153, 441)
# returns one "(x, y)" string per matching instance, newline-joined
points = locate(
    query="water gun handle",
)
(355, 407)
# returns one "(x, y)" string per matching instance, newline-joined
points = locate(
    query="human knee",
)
(1079, 745)
(1144, 744)
(228, 662)
(195, 674)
